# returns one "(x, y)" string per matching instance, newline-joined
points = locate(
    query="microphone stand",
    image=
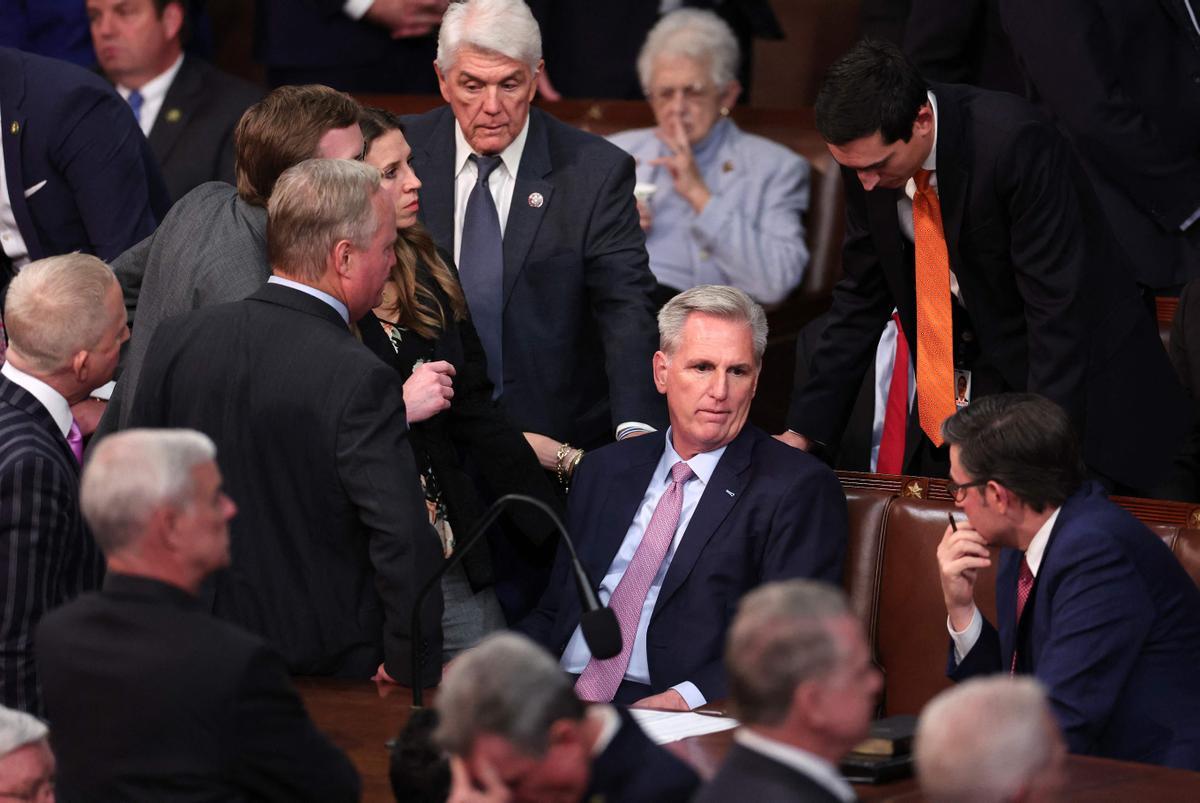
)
(590, 601)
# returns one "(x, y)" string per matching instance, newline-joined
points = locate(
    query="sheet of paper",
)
(671, 726)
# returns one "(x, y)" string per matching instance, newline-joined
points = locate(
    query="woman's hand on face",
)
(645, 215)
(681, 164)
(429, 390)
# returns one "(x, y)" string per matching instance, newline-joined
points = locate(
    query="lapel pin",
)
(729, 492)
(174, 115)
(15, 127)
(536, 200)
(727, 167)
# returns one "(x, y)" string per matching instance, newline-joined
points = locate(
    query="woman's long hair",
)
(417, 308)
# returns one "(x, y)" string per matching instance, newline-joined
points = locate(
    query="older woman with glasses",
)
(718, 206)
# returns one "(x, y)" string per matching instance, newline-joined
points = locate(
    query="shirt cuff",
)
(356, 9)
(690, 694)
(627, 428)
(964, 640)
(1187, 223)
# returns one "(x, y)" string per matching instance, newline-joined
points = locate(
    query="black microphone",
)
(599, 624)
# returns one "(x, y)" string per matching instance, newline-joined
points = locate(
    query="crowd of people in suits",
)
(339, 335)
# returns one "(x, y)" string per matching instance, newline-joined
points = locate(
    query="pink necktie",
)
(75, 441)
(1024, 586)
(600, 679)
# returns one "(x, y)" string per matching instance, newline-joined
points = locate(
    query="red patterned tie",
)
(895, 415)
(600, 679)
(1024, 586)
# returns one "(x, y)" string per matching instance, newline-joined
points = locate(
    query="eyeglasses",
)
(691, 93)
(956, 490)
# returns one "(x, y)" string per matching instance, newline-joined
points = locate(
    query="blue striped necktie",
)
(481, 268)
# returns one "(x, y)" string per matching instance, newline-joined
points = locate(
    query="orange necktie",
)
(935, 324)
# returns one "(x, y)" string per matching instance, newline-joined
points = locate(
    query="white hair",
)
(506, 27)
(983, 740)
(18, 729)
(56, 308)
(718, 300)
(133, 473)
(698, 35)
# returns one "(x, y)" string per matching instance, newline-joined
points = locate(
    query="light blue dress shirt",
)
(577, 654)
(315, 293)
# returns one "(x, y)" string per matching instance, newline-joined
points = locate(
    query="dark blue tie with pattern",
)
(481, 267)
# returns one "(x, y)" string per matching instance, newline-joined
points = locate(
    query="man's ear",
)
(660, 363)
(923, 125)
(172, 19)
(80, 365)
(443, 82)
(342, 252)
(563, 732)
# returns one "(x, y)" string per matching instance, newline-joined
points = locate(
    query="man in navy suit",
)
(67, 323)
(801, 678)
(750, 510)
(77, 173)
(516, 731)
(1089, 601)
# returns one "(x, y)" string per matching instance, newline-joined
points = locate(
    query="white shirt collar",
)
(156, 88)
(930, 163)
(702, 464)
(315, 293)
(810, 765)
(49, 398)
(510, 156)
(1037, 547)
(610, 723)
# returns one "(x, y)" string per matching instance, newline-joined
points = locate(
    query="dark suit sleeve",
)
(1049, 252)
(938, 38)
(33, 517)
(378, 472)
(130, 268)
(280, 754)
(101, 153)
(983, 659)
(619, 283)
(1070, 56)
(862, 304)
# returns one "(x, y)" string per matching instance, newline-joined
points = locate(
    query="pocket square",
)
(35, 188)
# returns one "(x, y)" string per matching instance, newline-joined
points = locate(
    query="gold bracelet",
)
(558, 462)
(575, 462)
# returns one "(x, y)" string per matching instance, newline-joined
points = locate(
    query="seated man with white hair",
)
(152, 697)
(1017, 755)
(26, 761)
(66, 324)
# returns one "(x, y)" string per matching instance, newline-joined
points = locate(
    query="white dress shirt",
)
(10, 236)
(501, 182)
(153, 93)
(50, 398)
(965, 639)
(811, 766)
(315, 293)
(576, 656)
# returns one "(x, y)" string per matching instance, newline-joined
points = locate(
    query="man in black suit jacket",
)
(333, 541)
(754, 511)
(1122, 80)
(516, 731)
(151, 697)
(801, 679)
(1043, 299)
(67, 325)
(187, 108)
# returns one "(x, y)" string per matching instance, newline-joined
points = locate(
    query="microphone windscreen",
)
(601, 632)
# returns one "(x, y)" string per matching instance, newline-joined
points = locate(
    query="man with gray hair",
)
(1018, 756)
(66, 324)
(333, 541)
(152, 697)
(516, 731)
(802, 683)
(26, 761)
(679, 525)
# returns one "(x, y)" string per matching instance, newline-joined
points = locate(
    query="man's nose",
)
(869, 179)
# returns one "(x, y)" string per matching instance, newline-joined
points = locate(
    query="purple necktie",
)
(600, 679)
(75, 441)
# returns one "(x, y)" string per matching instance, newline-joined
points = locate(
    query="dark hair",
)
(282, 130)
(1022, 441)
(417, 308)
(418, 769)
(873, 87)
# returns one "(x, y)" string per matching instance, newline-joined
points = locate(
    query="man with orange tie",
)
(967, 213)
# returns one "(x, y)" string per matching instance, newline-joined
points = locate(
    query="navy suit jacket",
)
(578, 322)
(80, 174)
(749, 775)
(769, 512)
(632, 769)
(1112, 627)
(48, 556)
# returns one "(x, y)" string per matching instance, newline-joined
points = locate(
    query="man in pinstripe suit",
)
(66, 323)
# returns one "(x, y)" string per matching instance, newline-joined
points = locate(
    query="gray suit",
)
(210, 249)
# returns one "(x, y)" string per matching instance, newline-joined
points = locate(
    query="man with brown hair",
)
(212, 247)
